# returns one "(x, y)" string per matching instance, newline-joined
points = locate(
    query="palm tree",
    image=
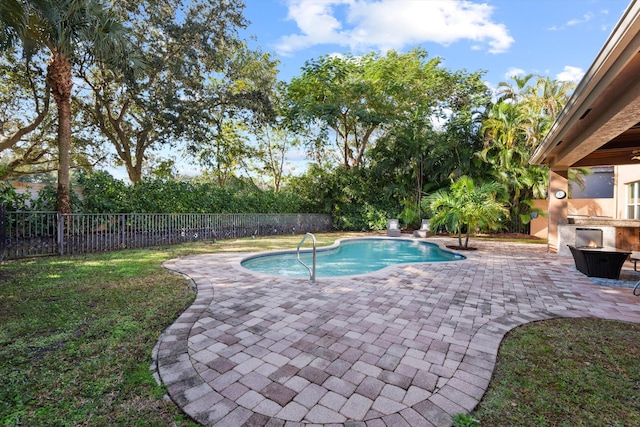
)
(67, 30)
(511, 92)
(466, 206)
(551, 95)
(513, 128)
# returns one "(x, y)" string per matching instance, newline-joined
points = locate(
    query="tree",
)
(226, 149)
(24, 110)
(274, 142)
(198, 74)
(465, 206)
(67, 30)
(28, 124)
(238, 101)
(426, 149)
(513, 128)
(356, 98)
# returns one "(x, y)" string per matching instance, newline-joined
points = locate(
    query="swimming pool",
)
(354, 256)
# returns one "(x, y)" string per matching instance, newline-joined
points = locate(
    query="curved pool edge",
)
(237, 264)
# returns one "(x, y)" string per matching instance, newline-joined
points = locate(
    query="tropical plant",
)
(513, 128)
(68, 30)
(466, 207)
(411, 213)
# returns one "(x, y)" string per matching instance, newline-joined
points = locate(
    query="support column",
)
(558, 184)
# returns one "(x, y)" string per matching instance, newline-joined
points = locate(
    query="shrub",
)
(11, 199)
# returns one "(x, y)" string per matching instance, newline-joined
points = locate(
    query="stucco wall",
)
(540, 226)
(624, 175)
(32, 188)
(575, 208)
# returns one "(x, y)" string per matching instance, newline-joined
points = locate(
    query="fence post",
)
(3, 230)
(60, 233)
(123, 224)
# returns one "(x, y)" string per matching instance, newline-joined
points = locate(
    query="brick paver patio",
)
(411, 345)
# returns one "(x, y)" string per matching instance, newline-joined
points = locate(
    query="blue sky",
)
(555, 38)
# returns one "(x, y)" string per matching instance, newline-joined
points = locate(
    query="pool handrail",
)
(312, 271)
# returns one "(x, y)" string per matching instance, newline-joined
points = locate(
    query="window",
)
(633, 200)
(598, 184)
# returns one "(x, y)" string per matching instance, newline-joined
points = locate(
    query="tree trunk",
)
(59, 79)
(134, 171)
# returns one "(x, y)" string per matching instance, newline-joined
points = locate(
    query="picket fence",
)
(30, 234)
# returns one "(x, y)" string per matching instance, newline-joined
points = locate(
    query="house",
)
(598, 127)
(32, 189)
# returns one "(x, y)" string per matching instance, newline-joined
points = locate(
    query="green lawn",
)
(566, 372)
(77, 335)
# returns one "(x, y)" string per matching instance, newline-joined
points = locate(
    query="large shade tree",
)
(197, 73)
(24, 117)
(354, 99)
(427, 147)
(67, 30)
(235, 103)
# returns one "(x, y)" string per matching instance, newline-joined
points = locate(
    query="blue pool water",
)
(356, 256)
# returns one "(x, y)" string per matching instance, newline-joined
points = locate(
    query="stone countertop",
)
(611, 222)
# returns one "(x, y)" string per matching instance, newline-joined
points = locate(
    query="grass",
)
(566, 372)
(77, 335)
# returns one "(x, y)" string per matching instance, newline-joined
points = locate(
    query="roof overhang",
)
(600, 124)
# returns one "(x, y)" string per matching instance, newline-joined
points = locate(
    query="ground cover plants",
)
(78, 332)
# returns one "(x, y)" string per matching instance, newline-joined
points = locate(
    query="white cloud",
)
(393, 24)
(571, 74)
(585, 18)
(511, 72)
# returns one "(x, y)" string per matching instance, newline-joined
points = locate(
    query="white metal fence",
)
(29, 234)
